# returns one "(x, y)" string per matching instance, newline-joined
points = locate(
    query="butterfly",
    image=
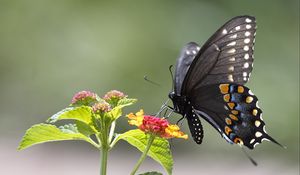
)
(209, 84)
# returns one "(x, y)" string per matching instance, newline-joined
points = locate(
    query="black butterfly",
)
(209, 83)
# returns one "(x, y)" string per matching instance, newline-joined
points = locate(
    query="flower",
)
(154, 125)
(84, 98)
(136, 119)
(113, 97)
(174, 131)
(101, 107)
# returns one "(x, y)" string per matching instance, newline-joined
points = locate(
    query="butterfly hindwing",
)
(233, 110)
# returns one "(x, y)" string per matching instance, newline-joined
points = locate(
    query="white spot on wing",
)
(233, 36)
(248, 26)
(250, 92)
(231, 44)
(257, 104)
(188, 52)
(257, 123)
(224, 32)
(246, 56)
(231, 68)
(230, 78)
(248, 20)
(231, 50)
(232, 59)
(258, 134)
(264, 139)
(198, 48)
(226, 108)
(237, 27)
(247, 33)
(246, 48)
(247, 40)
(246, 65)
(245, 74)
(264, 128)
(252, 141)
(194, 52)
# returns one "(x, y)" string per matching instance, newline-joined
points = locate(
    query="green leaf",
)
(82, 113)
(115, 113)
(159, 151)
(41, 133)
(85, 129)
(126, 102)
(152, 173)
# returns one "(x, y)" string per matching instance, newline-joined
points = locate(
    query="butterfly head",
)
(180, 103)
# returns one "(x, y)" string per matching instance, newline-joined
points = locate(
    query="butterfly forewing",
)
(184, 61)
(227, 57)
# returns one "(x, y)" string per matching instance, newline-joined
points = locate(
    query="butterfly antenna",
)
(150, 81)
(172, 77)
(249, 157)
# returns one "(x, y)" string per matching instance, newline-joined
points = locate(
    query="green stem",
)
(104, 153)
(112, 131)
(144, 155)
(104, 147)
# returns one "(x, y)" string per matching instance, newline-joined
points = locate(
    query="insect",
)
(209, 84)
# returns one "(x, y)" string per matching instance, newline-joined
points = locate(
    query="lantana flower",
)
(113, 97)
(84, 98)
(154, 125)
(101, 107)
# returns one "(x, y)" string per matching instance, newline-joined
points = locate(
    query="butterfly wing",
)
(184, 61)
(233, 110)
(226, 57)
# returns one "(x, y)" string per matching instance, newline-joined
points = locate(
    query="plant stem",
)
(144, 155)
(104, 147)
(112, 131)
(104, 153)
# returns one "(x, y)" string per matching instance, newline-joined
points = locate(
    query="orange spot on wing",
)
(254, 112)
(227, 130)
(228, 121)
(240, 89)
(224, 88)
(226, 97)
(235, 112)
(233, 117)
(231, 105)
(238, 140)
(249, 99)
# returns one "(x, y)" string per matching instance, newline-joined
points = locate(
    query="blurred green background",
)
(49, 50)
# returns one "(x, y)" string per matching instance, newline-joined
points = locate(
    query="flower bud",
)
(113, 97)
(84, 98)
(101, 107)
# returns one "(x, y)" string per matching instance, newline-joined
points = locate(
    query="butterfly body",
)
(209, 84)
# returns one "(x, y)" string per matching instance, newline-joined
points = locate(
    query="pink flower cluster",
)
(84, 97)
(114, 94)
(101, 107)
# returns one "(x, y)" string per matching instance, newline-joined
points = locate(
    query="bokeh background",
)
(51, 49)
